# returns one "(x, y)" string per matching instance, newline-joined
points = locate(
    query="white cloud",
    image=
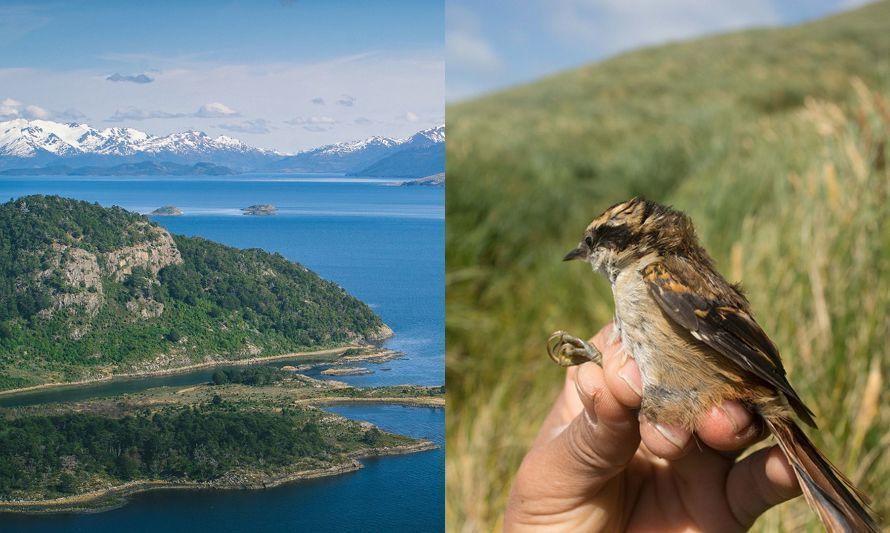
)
(301, 121)
(257, 126)
(10, 109)
(383, 85)
(465, 45)
(469, 51)
(215, 110)
(134, 113)
(410, 117)
(612, 26)
(35, 111)
(211, 110)
(314, 124)
(318, 100)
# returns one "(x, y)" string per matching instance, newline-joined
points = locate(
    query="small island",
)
(181, 438)
(167, 211)
(435, 180)
(347, 371)
(260, 209)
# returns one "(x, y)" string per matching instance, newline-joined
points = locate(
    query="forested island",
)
(88, 292)
(167, 211)
(260, 209)
(251, 428)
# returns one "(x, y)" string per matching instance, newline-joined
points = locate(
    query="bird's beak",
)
(576, 253)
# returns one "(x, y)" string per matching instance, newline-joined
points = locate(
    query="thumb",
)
(594, 447)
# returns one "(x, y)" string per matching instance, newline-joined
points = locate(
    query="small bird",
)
(697, 344)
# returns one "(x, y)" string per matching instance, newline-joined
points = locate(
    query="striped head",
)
(628, 231)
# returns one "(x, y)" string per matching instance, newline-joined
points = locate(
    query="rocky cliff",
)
(87, 291)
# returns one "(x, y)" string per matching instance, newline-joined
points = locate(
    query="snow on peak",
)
(27, 138)
(431, 135)
(428, 136)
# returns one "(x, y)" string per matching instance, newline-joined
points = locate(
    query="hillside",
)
(774, 141)
(87, 291)
(419, 155)
(408, 163)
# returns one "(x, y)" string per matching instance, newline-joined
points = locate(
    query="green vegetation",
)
(394, 391)
(257, 375)
(774, 141)
(64, 454)
(224, 435)
(91, 290)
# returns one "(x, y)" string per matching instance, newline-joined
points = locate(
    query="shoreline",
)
(178, 370)
(91, 502)
(433, 401)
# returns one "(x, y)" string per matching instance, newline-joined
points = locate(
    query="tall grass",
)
(775, 142)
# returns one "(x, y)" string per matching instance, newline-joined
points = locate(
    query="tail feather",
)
(839, 505)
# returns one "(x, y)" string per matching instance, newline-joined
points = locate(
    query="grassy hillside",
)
(87, 291)
(774, 141)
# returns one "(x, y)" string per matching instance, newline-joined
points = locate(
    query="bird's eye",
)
(589, 241)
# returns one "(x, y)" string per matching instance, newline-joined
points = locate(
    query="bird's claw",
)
(568, 350)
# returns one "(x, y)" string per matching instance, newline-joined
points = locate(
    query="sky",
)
(499, 43)
(278, 74)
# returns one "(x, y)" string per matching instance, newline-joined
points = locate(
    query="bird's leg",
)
(568, 350)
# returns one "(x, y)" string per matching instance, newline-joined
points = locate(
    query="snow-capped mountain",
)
(31, 143)
(422, 154)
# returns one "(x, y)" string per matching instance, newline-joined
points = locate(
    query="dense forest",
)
(59, 454)
(85, 287)
(257, 375)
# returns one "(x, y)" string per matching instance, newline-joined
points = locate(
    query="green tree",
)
(220, 377)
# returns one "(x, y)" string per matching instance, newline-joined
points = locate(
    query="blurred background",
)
(766, 121)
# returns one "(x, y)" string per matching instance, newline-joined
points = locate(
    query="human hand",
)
(596, 467)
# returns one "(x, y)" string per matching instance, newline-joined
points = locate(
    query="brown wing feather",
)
(721, 322)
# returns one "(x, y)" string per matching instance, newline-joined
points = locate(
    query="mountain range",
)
(420, 155)
(44, 146)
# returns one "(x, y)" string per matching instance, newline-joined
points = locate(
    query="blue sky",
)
(287, 75)
(498, 43)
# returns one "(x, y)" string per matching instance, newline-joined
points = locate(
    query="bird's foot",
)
(568, 350)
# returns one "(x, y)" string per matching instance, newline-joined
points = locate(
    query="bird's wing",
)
(722, 323)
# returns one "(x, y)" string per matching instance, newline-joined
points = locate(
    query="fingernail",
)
(630, 383)
(583, 381)
(672, 436)
(623, 356)
(630, 374)
(738, 416)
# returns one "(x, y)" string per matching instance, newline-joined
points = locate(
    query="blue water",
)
(383, 244)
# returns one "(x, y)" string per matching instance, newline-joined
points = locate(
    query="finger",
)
(593, 448)
(729, 427)
(566, 407)
(665, 440)
(622, 373)
(758, 482)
